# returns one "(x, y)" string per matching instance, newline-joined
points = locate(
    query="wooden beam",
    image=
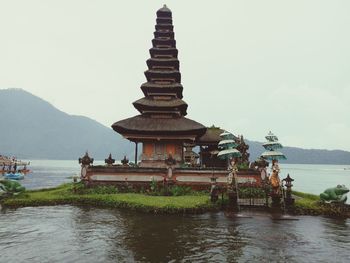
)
(136, 144)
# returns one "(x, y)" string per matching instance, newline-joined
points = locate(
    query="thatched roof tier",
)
(159, 126)
(165, 52)
(154, 75)
(162, 34)
(164, 20)
(163, 63)
(151, 88)
(210, 137)
(164, 42)
(146, 104)
(164, 27)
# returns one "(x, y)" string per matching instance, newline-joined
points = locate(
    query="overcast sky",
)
(247, 66)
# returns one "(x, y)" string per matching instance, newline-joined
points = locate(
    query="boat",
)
(12, 165)
(14, 176)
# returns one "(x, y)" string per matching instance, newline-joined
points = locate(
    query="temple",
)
(161, 126)
(166, 135)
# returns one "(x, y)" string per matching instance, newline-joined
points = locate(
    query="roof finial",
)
(165, 6)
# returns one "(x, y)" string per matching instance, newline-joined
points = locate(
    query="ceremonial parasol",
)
(227, 136)
(273, 155)
(229, 153)
(227, 144)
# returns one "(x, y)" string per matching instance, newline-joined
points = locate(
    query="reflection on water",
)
(76, 234)
(196, 238)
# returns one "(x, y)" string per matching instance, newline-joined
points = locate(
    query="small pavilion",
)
(208, 144)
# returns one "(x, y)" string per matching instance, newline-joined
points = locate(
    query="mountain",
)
(33, 128)
(304, 156)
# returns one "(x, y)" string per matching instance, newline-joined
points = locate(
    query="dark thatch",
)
(153, 63)
(173, 85)
(150, 104)
(175, 88)
(211, 136)
(163, 74)
(164, 11)
(159, 126)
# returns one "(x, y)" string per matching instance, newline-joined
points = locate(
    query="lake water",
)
(80, 234)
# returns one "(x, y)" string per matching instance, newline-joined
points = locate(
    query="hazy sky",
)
(247, 66)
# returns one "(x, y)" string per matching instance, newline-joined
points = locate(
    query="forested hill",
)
(33, 128)
(304, 156)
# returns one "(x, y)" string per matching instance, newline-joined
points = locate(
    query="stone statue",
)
(85, 162)
(232, 190)
(274, 179)
(125, 161)
(109, 161)
(335, 194)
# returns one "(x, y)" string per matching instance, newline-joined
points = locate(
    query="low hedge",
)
(67, 194)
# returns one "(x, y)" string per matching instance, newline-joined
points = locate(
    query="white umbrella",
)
(228, 153)
(273, 155)
(227, 143)
(227, 135)
(272, 145)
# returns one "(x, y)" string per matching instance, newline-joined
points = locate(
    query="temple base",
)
(194, 177)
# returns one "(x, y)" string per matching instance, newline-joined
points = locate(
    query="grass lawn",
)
(65, 195)
(305, 204)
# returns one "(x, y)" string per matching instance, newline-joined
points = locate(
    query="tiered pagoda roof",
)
(211, 136)
(162, 109)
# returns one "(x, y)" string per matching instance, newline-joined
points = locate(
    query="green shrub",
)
(251, 192)
(243, 166)
(81, 189)
(78, 188)
(92, 196)
(142, 190)
(108, 189)
(177, 190)
(174, 190)
(153, 186)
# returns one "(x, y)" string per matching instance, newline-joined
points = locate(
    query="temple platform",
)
(197, 178)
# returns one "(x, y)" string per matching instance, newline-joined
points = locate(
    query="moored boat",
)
(14, 176)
